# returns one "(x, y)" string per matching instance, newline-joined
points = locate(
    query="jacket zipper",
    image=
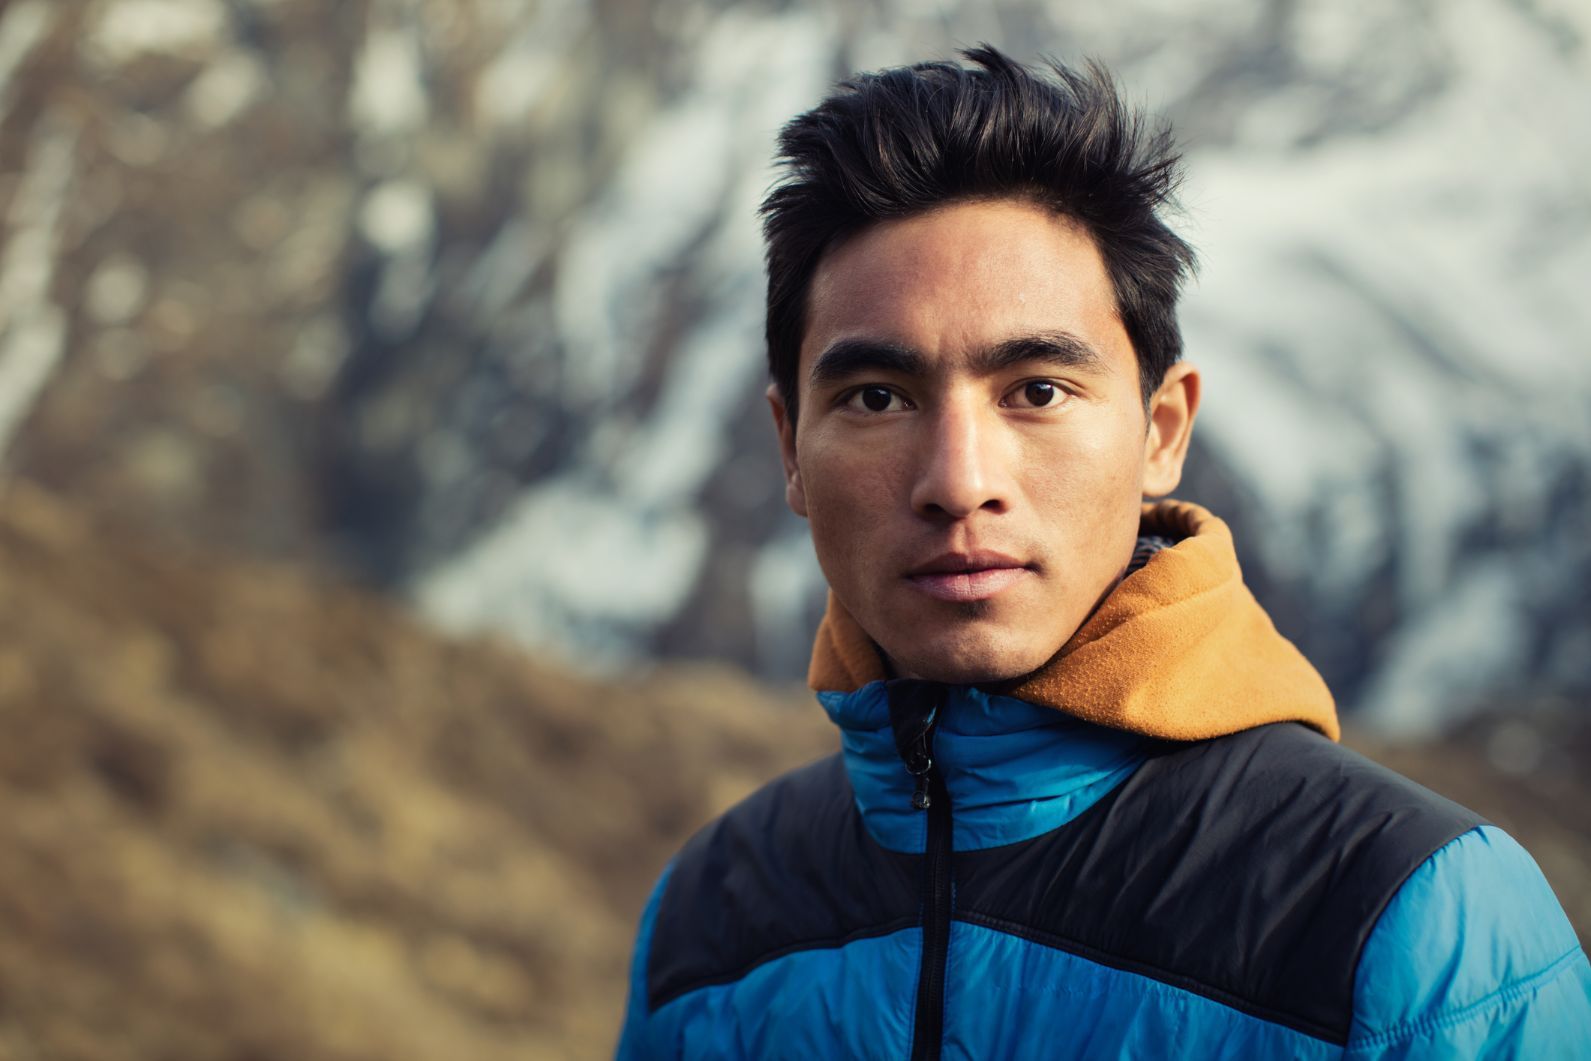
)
(929, 1032)
(914, 716)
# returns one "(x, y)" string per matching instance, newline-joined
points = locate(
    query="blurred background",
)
(393, 563)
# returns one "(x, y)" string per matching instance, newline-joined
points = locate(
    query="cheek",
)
(850, 491)
(1090, 476)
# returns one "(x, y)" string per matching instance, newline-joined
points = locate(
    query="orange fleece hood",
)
(1179, 649)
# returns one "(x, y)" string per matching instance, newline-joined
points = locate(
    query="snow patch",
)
(129, 28)
(117, 290)
(516, 79)
(1443, 660)
(22, 26)
(227, 88)
(397, 217)
(388, 94)
(33, 328)
(566, 567)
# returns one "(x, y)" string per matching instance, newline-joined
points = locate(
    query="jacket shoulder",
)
(1473, 957)
(790, 868)
(1249, 868)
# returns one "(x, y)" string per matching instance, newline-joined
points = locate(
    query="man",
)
(1089, 802)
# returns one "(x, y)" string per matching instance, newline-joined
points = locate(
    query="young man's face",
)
(972, 446)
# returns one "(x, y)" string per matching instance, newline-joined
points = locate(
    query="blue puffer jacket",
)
(1296, 901)
(1150, 848)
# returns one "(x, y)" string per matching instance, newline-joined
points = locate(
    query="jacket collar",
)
(1180, 649)
(1014, 770)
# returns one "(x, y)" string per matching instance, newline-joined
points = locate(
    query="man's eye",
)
(876, 399)
(1036, 394)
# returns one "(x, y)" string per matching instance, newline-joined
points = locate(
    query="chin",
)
(969, 660)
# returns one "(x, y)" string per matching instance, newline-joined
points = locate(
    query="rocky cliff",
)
(462, 299)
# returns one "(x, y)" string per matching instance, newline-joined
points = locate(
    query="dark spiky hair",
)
(903, 141)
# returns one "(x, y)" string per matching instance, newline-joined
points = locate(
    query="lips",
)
(968, 576)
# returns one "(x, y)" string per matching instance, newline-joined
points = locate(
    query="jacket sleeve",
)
(1473, 957)
(641, 1037)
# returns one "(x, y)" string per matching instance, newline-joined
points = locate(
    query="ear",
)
(794, 494)
(1171, 413)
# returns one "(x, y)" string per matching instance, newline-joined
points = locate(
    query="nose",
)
(962, 463)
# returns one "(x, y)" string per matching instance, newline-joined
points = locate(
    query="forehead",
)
(965, 277)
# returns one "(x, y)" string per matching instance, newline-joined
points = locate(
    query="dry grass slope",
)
(253, 816)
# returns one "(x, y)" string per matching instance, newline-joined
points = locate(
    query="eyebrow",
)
(1061, 349)
(852, 357)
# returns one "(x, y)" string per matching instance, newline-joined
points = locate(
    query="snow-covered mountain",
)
(466, 297)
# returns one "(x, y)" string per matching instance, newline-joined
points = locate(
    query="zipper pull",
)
(913, 710)
(919, 766)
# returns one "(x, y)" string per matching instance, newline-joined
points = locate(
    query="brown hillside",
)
(253, 816)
